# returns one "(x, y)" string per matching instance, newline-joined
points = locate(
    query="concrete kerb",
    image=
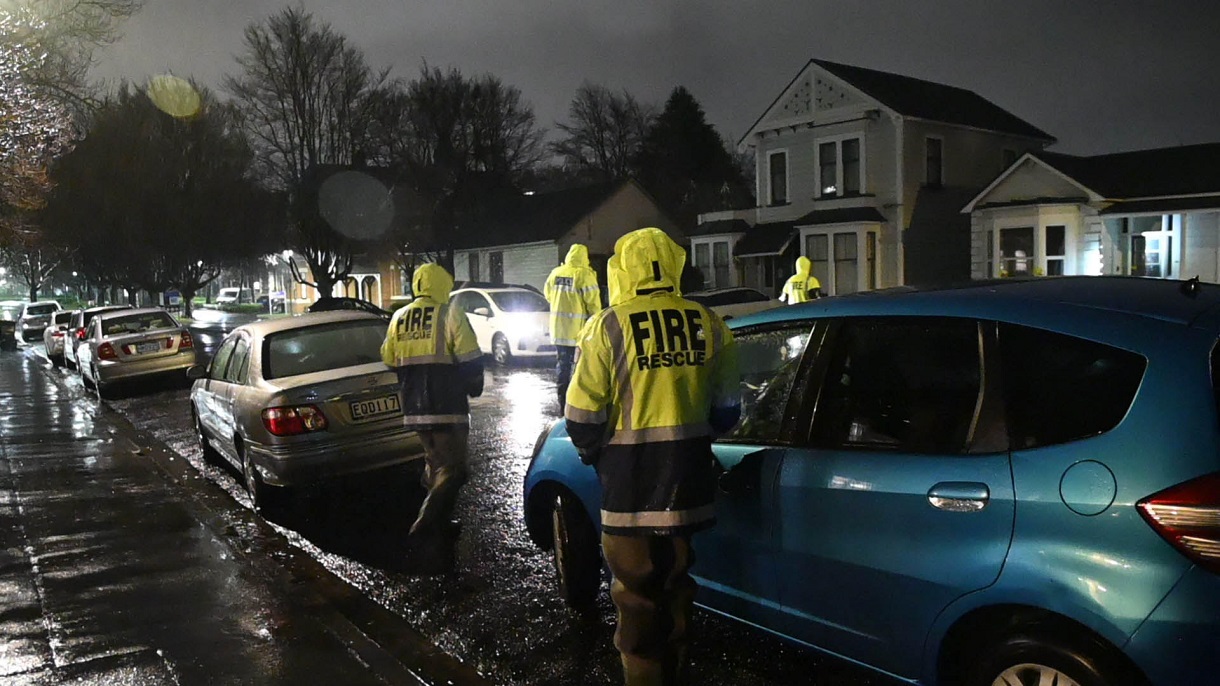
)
(382, 639)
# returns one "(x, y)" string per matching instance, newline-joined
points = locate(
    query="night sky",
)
(1101, 76)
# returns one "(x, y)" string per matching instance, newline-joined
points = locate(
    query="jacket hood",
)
(432, 281)
(649, 260)
(615, 281)
(578, 256)
(803, 266)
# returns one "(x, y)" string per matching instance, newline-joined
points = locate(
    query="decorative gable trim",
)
(1092, 195)
(804, 82)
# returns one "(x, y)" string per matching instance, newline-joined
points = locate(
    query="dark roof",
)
(842, 215)
(933, 101)
(765, 239)
(1206, 202)
(1184, 170)
(938, 240)
(533, 218)
(719, 226)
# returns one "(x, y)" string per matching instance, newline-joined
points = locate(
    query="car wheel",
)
(263, 496)
(210, 454)
(576, 553)
(57, 361)
(500, 350)
(1029, 660)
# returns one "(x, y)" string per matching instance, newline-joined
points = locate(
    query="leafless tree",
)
(604, 131)
(304, 93)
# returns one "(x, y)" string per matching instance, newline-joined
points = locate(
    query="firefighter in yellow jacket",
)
(572, 291)
(433, 349)
(801, 286)
(656, 379)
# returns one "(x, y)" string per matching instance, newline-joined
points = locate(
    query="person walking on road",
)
(433, 350)
(574, 297)
(656, 379)
(801, 286)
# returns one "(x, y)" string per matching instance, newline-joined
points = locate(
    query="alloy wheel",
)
(1033, 675)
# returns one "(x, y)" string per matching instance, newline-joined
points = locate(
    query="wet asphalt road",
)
(499, 612)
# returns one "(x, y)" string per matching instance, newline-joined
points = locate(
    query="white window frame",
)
(820, 184)
(1040, 221)
(861, 231)
(926, 149)
(787, 178)
(709, 270)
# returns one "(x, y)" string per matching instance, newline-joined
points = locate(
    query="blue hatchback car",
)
(1006, 483)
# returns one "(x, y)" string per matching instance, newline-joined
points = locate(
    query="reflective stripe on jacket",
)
(434, 351)
(574, 296)
(655, 379)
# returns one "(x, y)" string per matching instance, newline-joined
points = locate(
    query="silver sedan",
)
(127, 344)
(296, 401)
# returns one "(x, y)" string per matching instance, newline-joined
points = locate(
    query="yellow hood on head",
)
(803, 266)
(578, 256)
(432, 281)
(616, 281)
(649, 260)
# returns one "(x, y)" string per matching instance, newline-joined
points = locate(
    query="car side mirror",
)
(197, 371)
(482, 311)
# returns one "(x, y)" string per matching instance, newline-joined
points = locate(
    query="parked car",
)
(234, 296)
(8, 325)
(349, 304)
(1008, 483)
(35, 317)
(78, 327)
(299, 400)
(56, 332)
(734, 302)
(273, 304)
(133, 343)
(507, 321)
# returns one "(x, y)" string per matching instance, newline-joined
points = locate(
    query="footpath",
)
(116, 567)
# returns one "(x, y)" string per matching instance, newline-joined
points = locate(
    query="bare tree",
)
(304, 93)
(604, 131)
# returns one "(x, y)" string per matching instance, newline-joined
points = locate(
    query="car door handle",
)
(959, 496)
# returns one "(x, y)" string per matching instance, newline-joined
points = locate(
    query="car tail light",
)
(186, 343)
(57, 334)
(106, 351)
(1188, 516)
(291, 421)
(80, 334)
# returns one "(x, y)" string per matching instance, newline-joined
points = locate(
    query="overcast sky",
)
(1100, 75)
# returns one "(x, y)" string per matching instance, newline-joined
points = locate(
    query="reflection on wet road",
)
(499, 611)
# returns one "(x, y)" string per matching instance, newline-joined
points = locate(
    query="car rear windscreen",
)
(137, 323)
(62, 317)
(520, 301)
(322, 347)
(41, 308)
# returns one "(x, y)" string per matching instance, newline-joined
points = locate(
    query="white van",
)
(234, 296)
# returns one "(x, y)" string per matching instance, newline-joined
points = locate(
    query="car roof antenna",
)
(1192, 287)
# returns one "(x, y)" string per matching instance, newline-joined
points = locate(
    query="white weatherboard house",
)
(522, 243)
(865, 173)
(1152, 213)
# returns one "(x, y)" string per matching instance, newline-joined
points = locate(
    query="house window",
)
(840, 167)
(703, 261)
(1008, 157)
(817, 249)
(777, 163)
(720, 264)
(1016, 251)
(934, 150)
(495, 263)
(870, 247)
(1150, 254)
(473, 264)
(847, 264)
(1056, 250)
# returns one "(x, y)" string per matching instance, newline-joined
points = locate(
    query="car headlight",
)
(518, 330)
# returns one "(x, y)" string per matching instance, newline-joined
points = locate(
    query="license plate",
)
(144, 348)
(364, 410)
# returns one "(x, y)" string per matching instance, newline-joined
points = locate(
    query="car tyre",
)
(576, 553)
(57, 361)
(501, 352)
(210, 454)
(266, 499)
(1030, 660)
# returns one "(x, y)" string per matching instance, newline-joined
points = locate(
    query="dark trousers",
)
(444, 474)
(565, 356)
(654, 596)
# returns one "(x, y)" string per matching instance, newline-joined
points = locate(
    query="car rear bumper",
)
(55, 348)
(34, 331)
(532, 346)
(109, 371)
(1177, 644)
(302, 463)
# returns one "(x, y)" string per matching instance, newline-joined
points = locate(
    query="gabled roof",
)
(933, 101)
(539, 217)
(1154, 173)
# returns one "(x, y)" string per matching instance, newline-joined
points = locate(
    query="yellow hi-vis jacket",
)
(656, 378)
(572, 291)
(798, 286)
(434, 351)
